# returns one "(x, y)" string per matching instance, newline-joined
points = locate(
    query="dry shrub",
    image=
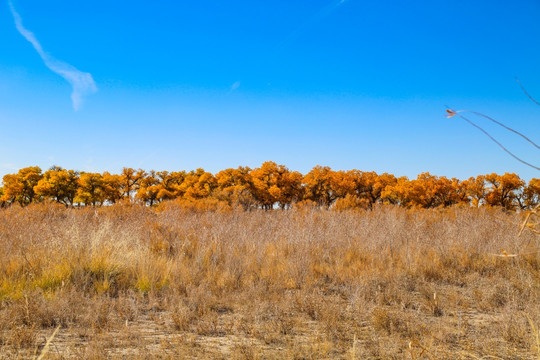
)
(302, 283)
(183, 317)
(351, 202)
(514, 329)
(208, 204)
(22, 337)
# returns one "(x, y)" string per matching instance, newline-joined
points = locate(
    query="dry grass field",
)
(130, 282)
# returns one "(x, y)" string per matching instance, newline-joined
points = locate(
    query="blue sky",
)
(348, 84)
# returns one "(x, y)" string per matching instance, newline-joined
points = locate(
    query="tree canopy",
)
(269, 186)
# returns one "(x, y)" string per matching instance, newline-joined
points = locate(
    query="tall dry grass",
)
(133, 282)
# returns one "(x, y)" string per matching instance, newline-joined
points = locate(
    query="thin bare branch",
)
(496, 142)
(501, 124)
(526, 93)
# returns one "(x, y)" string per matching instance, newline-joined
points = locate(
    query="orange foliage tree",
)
(129, 181)
(271, 185)
(149, 188)
(112, 187)
(169, 184)
(426, 191)
(91, 189)
(19, 187)
(531, 195)
(275, 184)
(197, 184)
(318, 186)
(370, 186)
(503, 190)
(235, 186)
(476, 190)
(59, 185)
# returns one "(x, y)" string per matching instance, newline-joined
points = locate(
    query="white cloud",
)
(82, 83)
(235, 86)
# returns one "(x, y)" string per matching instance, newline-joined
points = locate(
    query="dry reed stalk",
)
(531, 221)
(536, 334)
(45, 349)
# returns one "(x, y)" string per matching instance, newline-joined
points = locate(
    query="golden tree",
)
(348, 190)
(113, 187)
(290, 185)
(361, 188)
(531, 194)
(425, 191)
(169, 184)
(461, 191)
(276, 184)
(59, 185)
(503, 190)
(197, 184)
(265, 184)
(236, 187)
(318, 186)
(476, 189)
(344, 183)
(91, 190)
(129, 181)
(149, 188)
(369, 186)
(20, 187)
(440, 191)
(397, 193)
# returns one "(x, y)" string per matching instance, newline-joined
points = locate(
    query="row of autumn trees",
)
(267, 187)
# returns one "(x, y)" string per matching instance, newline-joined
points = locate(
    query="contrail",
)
(82, 83)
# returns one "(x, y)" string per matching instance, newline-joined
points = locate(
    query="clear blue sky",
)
(348, 84)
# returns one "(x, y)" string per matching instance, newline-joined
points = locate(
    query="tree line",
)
(267, 187)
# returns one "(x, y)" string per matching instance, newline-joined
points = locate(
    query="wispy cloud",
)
(235, 86)
(82, 83)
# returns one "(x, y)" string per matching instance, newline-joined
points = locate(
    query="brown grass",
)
(133, 282)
